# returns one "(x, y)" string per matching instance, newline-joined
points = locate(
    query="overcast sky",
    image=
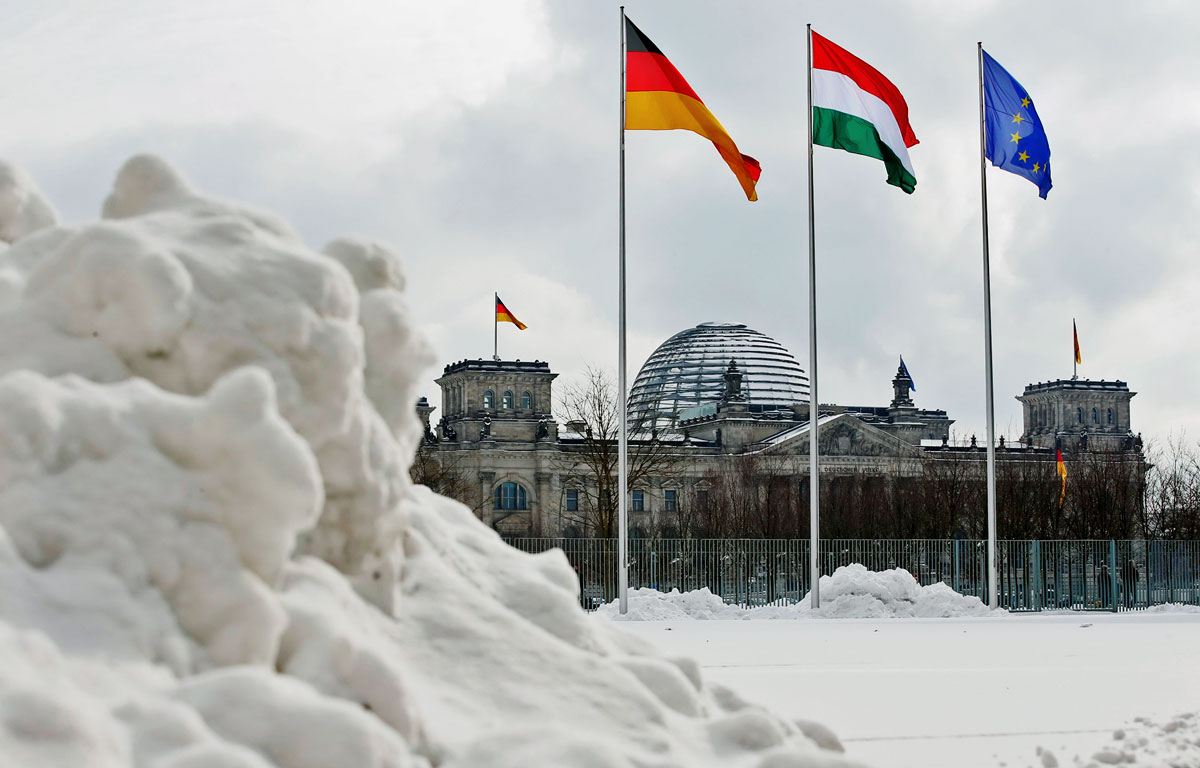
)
(480, 140)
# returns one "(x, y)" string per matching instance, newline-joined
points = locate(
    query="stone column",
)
(544, 505)
(485, 488)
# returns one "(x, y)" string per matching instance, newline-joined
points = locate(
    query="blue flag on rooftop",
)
(907, 375)
(1016, 141)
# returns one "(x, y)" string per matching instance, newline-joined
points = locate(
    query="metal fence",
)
(1034, 575)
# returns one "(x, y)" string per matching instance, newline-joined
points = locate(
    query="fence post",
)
(1112, 574)
(1036, 575)
(954, 567)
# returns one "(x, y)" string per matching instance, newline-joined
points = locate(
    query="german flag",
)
(1062, 473)
(504, 316)
(657, 98)
(1075, 333)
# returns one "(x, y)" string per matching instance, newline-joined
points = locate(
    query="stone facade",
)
(1078, 415)
(523, 467)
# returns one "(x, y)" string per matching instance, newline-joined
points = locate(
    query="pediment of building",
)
(845, 435)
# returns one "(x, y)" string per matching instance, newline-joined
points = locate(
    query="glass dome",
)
(688, 370)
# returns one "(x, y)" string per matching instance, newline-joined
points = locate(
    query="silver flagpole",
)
(623, 466)
(993, 591)
(814, 470)
(495, 328)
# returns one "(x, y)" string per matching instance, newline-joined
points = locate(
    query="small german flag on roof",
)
(504, 316)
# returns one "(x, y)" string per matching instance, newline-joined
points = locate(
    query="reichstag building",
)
(709, 394)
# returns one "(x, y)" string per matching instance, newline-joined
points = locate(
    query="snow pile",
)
(1173, 743)
(210, 551)
(23, 209)
(647, 604)
(852, 592)
(1172, 608)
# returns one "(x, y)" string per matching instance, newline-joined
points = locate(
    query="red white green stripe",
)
(859, 110)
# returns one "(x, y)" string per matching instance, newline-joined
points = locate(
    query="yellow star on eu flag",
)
(1024, 157)
(1025, 102)
(1036, 168)
(1016, 137)
(1017, 118)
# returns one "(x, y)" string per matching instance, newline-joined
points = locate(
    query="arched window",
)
(1095, 416)
(1110, 415)
(489, 399)
(1079, 414)
(506, 402)
(511, 496)
(526, 401)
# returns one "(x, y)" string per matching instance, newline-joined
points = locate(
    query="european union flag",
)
(1015, 140)
(907, 375)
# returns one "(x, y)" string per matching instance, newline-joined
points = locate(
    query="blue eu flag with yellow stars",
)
(1016, 141)
(904, 369)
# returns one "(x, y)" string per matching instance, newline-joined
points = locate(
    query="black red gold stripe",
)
(658, 98)
(504, 316)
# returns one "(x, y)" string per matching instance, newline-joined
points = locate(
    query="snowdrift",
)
(210, 552)
(852, 592)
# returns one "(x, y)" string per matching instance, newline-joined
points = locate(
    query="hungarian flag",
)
(1075, 333)
(657, 98)
(1062, 473)
(504, 316)
(859, 110)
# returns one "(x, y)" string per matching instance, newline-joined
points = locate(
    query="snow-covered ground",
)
(1004, 690)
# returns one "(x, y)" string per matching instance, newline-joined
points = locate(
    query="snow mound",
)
(647, 604)
(852, 592)
(1172, 608)
(23, 210)
(210, 551)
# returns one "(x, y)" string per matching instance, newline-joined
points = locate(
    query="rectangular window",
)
(639, 501)
(669, 497)
(572, 499)
(702, 499)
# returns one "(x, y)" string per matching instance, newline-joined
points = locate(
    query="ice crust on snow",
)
(852, 591)
(210, 551)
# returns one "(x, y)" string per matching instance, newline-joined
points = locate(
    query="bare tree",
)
(1028, 496)
(442, 473)
(1172, 506)
(953, 494)
(738, 497)
(590, 408)
(1105, 492)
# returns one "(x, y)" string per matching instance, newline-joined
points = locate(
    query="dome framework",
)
(688, 370)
